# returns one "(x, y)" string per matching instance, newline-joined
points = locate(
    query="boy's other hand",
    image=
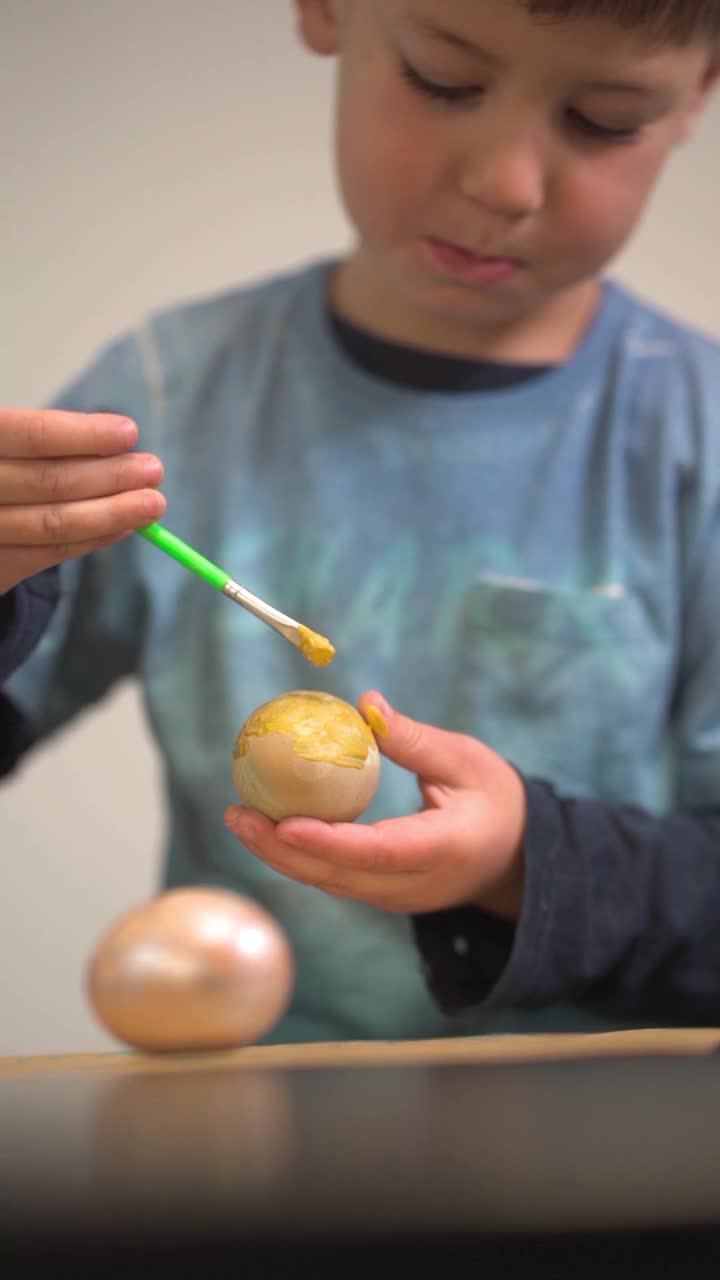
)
(465, 846)
(69, 484)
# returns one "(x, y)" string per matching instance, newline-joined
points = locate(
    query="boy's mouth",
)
(471, 267)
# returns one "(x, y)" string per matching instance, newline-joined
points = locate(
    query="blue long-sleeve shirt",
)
(537, 564)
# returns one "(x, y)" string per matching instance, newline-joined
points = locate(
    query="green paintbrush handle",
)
(315, 648)
(180, 551)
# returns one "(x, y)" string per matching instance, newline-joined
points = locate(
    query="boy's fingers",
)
(436, 755)
(56, 433)
(63, 525)
(19, 564)
(407, 845)
(73, 479)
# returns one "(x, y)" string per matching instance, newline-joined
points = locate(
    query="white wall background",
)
(151, 150)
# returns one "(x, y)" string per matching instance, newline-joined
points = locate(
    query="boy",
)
(491, 477)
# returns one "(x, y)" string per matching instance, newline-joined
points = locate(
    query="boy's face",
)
(493, 163)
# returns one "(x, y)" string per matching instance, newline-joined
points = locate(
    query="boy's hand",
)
(464, 847)
(68, 485)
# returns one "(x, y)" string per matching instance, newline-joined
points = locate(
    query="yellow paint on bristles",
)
(317, 649)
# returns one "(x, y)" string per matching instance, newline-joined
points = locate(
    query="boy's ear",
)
(318, 21)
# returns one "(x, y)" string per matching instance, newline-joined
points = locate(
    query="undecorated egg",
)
(192, 969)
(306, 754)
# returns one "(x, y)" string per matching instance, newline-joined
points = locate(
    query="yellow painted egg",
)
(306, 754)
(193, 969)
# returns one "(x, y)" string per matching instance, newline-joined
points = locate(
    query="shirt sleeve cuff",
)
(464, 952)
(472, 959)
(24, 614)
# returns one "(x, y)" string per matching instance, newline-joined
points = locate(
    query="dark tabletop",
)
(587, 1160)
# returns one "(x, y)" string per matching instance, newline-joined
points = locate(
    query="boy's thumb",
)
(435, 755)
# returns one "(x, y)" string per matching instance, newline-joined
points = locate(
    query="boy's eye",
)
(439, 92)
(465, 93)
(600, 132)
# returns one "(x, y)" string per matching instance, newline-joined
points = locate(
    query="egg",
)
(192, 969)
(306, 754)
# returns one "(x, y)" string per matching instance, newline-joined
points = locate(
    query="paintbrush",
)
(316, 648)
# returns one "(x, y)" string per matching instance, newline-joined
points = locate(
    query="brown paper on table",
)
(361, 1053)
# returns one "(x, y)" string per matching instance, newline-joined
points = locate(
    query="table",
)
(543, 1152)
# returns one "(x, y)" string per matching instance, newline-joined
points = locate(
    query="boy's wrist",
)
(505, 900)
(505, 897)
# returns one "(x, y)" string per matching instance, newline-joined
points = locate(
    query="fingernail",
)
(241, 824)
(154, 504)
(153, 471)
(376, 720)
(127, 432)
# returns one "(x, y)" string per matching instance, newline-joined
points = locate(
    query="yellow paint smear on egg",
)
(317, 649)
(320, 726)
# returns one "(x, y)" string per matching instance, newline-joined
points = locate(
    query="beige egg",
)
(306, 754)
(193, 969)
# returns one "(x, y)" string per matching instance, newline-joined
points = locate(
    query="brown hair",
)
(666, 21)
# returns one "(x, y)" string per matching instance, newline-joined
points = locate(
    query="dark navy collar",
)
(426, 370)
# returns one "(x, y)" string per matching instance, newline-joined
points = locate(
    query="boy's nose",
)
(506, 179)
